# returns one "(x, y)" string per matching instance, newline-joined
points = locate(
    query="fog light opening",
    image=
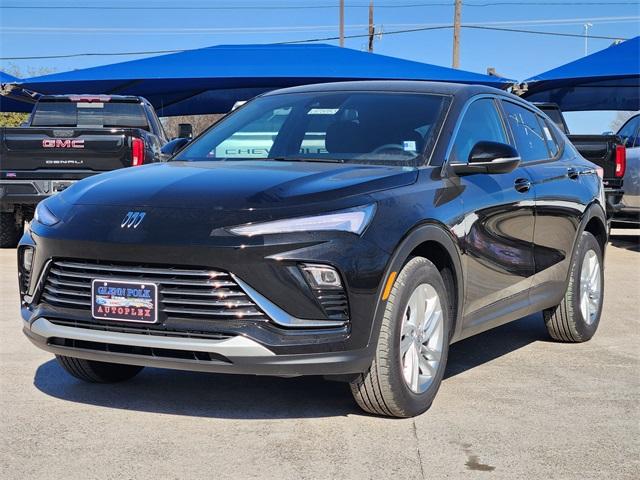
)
(27, 259)
(321, 276)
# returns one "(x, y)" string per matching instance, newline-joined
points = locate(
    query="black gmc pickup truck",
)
(606, 151)
(68, 138)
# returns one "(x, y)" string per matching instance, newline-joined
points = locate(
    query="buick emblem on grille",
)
(132, 219)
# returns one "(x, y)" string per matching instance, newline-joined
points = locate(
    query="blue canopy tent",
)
(605, 80)
(15, 100)
(212, 79)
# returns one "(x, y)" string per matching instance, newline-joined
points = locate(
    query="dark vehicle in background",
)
(382, 222)
(607, 151)
(628, 213)
(67, 138)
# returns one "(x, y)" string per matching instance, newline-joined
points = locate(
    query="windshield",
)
(358, 127)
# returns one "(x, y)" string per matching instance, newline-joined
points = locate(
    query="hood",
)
(235, 185)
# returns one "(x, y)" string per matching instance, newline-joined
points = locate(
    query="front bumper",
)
(235, 354)
(294, 338)
(29, 192)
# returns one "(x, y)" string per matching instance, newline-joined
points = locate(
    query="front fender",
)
(429, 232)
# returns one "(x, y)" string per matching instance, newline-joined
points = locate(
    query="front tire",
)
(97, 372)
(412, 349)
(11, 228)
(576, 318)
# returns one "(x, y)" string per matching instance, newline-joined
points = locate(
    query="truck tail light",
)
(137, 152)
(621, 161)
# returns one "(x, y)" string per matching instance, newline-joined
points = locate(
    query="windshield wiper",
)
(307, 159)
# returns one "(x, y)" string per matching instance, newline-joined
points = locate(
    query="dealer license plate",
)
(124, 301)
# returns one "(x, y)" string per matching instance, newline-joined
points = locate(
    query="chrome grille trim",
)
(184, 293)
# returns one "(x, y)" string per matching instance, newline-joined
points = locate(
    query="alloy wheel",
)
(421, 338)
(590, 287)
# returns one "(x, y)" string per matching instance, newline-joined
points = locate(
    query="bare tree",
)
(15, 119)
(620, 119)
(199, 122)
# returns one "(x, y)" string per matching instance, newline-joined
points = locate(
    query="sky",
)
(58, 27)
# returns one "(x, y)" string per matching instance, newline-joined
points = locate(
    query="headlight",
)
(353, 220)
(44, 216)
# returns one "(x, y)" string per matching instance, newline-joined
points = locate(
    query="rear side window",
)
(531, 141)
(89, 114)
(556, 116)
(481, 122)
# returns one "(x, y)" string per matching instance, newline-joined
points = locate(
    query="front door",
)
(498, 224)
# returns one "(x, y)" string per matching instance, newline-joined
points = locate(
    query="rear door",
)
(497, 222)
(630, 134)
(562, 183)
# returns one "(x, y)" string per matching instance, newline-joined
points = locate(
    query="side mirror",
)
(172, 147)
(489, 157)
(185, 130)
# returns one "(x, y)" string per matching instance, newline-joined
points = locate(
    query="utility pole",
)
(342, 23)
(372, 28)
(457, 13)
(586, 26)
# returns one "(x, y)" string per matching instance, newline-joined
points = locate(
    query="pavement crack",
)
(415, 435)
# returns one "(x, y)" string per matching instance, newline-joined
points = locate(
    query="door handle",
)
(573, 173)
(522, 185)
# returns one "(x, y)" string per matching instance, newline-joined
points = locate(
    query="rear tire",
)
(391, 386)
(11, 228)
(576, 318)
(97, 372)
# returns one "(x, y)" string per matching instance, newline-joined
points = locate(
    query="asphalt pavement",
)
(513, 405)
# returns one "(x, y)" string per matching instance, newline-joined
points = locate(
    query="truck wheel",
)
(11, 228)
(97, 372)
(577, 317)
(411, 355)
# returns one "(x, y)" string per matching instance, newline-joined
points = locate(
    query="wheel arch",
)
(594, 221)
(436, 243)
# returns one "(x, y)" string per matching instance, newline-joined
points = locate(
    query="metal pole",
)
(457, 13)
(372, 29)
(342, 23)
(586, 38)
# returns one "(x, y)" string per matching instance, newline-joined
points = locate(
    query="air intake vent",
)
(184, 293)
(334, 303)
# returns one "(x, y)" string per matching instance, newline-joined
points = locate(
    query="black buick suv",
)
(351, 230)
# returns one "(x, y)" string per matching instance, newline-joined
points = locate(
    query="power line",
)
(303, 7)
(301, 29)
(323, 39)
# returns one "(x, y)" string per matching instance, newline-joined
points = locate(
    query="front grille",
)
(153, 330)
(162, 353)
(183, 293)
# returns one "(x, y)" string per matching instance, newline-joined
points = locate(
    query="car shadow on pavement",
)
(629, 240)
(253, 397)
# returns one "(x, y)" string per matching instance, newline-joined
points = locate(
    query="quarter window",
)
(549, 136)
(481, 122)
(531, 139)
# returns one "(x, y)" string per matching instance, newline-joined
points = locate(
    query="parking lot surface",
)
(514, 404)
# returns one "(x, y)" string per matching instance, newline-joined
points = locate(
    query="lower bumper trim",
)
(237, 355)
(237, 346)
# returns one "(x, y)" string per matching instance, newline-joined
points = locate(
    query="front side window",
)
(531, 139)
(357, 127)
(629, 132)
(481, 122)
